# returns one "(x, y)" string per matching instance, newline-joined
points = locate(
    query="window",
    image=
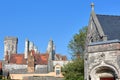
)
(57, 70)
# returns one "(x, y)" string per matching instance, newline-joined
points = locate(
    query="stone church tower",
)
(10, 45)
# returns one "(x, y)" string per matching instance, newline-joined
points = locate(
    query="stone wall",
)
(41, 69)
(61, 63)
(42, 78)
(103, 56)
(22, 69)
(103, 47)
(15, 68)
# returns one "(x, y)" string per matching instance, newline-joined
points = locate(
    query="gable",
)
(95, 32)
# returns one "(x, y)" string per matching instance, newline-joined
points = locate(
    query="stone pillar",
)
(26, 49)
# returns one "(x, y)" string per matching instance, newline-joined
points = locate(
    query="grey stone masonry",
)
(16, 69)
(41, 69)
(103, 58)
(42, 78)
(10, 46)
(104, 47)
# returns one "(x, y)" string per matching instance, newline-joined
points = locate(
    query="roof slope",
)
(110, 25)
(41, 59)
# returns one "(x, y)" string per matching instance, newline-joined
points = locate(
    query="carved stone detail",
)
(118, 60)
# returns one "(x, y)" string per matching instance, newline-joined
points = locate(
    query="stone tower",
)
(10, 45)
(51, 50)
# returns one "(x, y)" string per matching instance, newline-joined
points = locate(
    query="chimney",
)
(31, 62)
(26, 49)
(31, 46)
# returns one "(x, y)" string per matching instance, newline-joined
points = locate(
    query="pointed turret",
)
(51, 49)
(50, 46)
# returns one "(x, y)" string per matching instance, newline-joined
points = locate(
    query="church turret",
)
(10, 45)
(51, 50)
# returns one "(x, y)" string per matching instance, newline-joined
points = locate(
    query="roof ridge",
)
(108, 15)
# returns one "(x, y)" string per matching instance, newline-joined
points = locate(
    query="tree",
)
(74, 70)
(77, 44)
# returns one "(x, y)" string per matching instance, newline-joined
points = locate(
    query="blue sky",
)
(41, 20)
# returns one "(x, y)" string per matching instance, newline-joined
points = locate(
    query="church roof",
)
(110, 25)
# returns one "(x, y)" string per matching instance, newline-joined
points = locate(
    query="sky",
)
(42, 20)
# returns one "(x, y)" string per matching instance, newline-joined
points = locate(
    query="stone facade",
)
(102, 52)
(10, 45)
(42, 78)
(103, 60)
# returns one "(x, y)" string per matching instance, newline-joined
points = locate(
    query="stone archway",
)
(103, 73)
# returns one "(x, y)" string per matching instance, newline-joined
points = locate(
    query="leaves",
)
(77, 44)
(74, 70)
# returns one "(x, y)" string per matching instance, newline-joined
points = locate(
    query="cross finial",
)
(92, 6)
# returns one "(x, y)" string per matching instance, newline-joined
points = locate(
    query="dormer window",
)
(57, 70)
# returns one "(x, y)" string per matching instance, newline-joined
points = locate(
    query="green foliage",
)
(74, 70)
(77, 44)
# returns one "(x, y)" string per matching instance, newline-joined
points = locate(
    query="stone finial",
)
(92, 6)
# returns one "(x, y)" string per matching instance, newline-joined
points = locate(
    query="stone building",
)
(102, 55)
(31, 63)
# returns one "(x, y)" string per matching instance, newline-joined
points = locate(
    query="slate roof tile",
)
(110, 25)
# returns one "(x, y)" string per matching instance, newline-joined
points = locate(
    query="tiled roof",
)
(110, 25)
(64, 58)
(17, 59)
(41, 59)
(59, 57)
